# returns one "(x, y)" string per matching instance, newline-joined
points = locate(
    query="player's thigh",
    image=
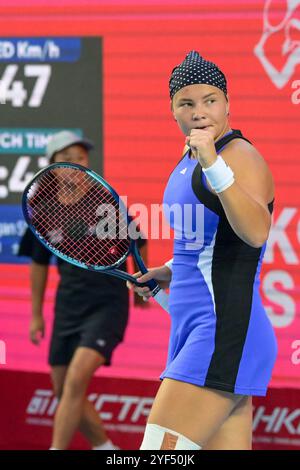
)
(236, 432)
(194, 411)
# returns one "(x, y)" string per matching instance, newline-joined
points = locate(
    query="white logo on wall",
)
(288, 27)
(125, 413)
(279, 419)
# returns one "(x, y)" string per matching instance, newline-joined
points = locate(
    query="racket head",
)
(62, 205)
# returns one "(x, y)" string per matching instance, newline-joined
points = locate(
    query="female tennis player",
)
(222, 346)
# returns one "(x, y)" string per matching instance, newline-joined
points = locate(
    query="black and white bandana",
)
(196, 70)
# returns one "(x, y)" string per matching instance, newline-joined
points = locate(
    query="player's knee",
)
(75, 384)
(158, 437)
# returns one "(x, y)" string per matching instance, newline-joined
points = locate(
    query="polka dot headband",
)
(194, 70)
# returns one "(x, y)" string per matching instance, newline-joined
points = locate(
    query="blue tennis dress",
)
(220, 335)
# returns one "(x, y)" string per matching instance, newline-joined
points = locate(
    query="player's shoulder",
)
(250, 168)
(241, 154)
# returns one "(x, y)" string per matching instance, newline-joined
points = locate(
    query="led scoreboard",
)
(47, 84)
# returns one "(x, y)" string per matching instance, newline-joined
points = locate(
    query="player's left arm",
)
(245, 202)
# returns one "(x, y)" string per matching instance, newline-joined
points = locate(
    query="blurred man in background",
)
(91, 315)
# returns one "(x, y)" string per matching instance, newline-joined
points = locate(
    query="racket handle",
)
(162, 299)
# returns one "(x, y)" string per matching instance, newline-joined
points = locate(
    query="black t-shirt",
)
(80, 292)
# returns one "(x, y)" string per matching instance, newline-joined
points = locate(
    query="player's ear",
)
(227, 105)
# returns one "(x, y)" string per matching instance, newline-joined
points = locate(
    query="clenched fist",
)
(202, 145)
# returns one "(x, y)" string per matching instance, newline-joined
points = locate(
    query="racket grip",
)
(162, 299)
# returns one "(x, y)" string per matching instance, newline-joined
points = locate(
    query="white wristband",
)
(169, 264)
(219, 175)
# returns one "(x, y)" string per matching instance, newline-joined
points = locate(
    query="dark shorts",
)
(101, 332)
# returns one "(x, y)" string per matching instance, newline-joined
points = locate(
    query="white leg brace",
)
(157, 437)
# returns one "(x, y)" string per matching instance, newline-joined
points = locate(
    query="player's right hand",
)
(162, 275)
(37, 330)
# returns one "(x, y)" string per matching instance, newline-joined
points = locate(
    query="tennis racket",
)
(79, 217)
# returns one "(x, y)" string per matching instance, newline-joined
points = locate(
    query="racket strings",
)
(78, 217)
